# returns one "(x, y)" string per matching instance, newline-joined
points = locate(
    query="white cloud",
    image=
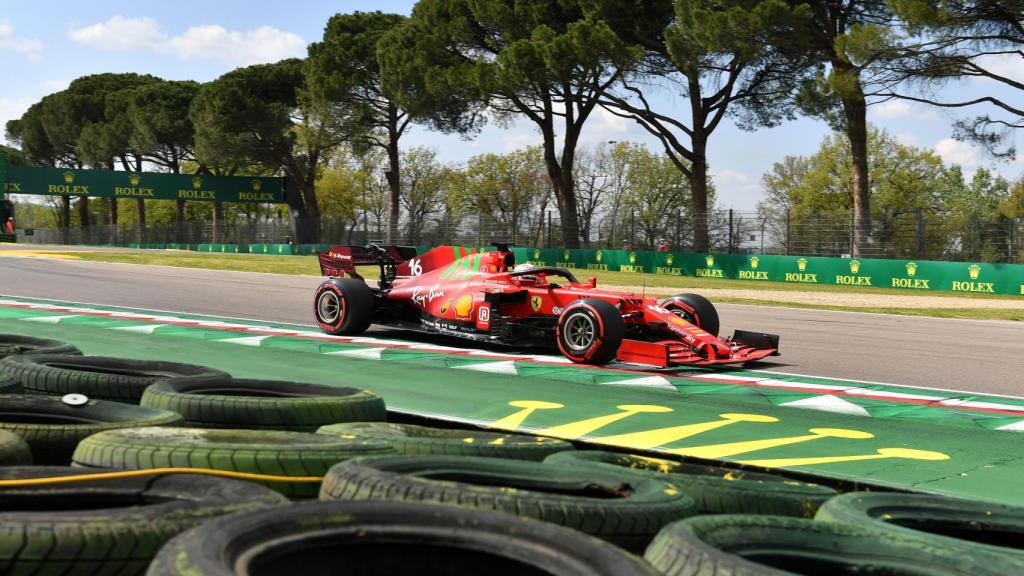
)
(955, 152)
(211, 42)
(893, 109)
(28, 46)
(735, 189)
(518, 140)
(1008, 65)
(907, 138)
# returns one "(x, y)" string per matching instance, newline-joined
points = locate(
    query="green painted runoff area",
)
(723, 422)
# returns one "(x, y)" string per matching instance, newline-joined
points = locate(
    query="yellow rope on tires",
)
(154, 471)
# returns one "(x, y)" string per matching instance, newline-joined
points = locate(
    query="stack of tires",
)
(110, 466)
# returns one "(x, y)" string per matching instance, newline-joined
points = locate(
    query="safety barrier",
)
(924, 275)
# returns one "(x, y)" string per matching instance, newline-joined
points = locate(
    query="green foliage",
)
(160, 126)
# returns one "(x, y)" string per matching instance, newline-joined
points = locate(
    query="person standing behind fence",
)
(662, 245)
(9, 225)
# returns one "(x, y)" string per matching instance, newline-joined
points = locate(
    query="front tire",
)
(343, 306)
(695, 309)
(590, 331)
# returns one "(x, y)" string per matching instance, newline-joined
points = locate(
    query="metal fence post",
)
(731, 231)
(919, 216)
(787, 231)
(548, 243)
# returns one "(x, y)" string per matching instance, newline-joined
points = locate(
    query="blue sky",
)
(46, 44)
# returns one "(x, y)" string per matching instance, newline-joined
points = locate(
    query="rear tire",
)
(590, 331)
(343, 306)
(695, 309)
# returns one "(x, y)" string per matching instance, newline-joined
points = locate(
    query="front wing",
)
(746, 347)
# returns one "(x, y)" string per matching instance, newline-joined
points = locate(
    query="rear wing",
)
(342, 260)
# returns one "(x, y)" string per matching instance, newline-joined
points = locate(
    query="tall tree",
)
(255, 117)
(852, 40)
(548, 62)
(967, 39)
(344, 77)
(737, 58)
(506, 189)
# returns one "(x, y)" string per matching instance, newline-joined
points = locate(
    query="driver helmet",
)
(525, 266)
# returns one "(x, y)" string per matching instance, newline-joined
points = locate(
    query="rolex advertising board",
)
(925, 275)
(145, 185)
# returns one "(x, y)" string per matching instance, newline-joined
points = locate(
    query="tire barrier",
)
(388, 539)
(108, 526)
(11, 344)
(749, 545)
(9, 385)
(716, 490)
(13, 450)
(620, 507)
(97, 377)
(254, 451)
(262, 404)
(421, 440)
(966, 525)
(53, 428)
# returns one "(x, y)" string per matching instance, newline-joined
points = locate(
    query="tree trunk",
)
(83, 211)
(394, 177)
(65, 219)
(699, 195)
(855, 109)
(112, 210)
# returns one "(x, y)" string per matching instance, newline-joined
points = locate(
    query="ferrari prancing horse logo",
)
(536, 302)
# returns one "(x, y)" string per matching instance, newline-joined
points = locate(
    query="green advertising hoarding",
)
(145, 185)
(924, 275)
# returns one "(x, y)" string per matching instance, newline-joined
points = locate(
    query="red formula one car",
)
(484, 296)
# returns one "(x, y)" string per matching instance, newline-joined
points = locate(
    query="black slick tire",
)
(97, 377)
(343, 306)
(589, 331)
(107, 527)
(748, 545)
(13, 450)
(388, 539)
(695, 309)
(262, 404)
(418, 440)
(966, 525)
(11, 344)
(255, 451)
(716, 490)
(53, 428)
(625, 509)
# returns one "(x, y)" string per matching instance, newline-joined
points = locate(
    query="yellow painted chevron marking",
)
(733, 448)
(906, 453)
(514, 421)
(574, 430)
(661, 436)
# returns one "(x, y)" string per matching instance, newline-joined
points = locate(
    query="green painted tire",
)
(750, 545)
(388, 539)
(622, 508)
(421, 440)
(262, 404)
(13, 450)
(97, 377)
(715, 489)
(255, 451)
(52, 428)
(11, 344)
(108, 526)
(967, 525)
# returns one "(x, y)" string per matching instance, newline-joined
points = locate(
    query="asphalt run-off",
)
(847, 431)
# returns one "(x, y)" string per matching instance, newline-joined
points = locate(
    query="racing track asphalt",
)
(984, 356)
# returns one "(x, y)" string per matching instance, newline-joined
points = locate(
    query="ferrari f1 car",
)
(484, 296)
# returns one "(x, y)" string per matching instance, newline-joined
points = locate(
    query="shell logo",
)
(801, 264)
(911, 268)
(854, 266)
(709, 260)
(974, 270)
(463, 306)
(754, 261)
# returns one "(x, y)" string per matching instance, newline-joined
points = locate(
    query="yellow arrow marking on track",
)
(574, 430)
(514, 421)
(907, 453)
(661, 436)
(733, 448)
